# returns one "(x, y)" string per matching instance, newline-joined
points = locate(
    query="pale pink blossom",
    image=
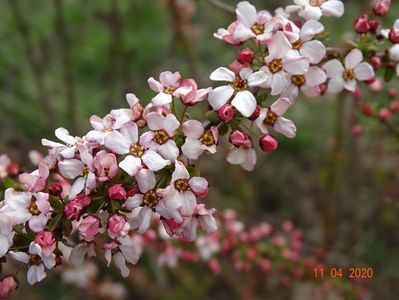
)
(202, 217)
(80, 251)
(127, 142)
(102, 127)
(125, 115)
(253, 24)
(227, 35)
(315, 9)
(167, 87)
(183, 189)
(106, 165)
(345, 77)
(308, 83)
(37, 262)
(121, 252)
(272, 117)
(66, 150)
(160, 138)
(22, 207)
(7, 285)
(195, 95)
(241, 152)
(237, 90)
(198, 139)
(45, 239)
(37, 180)
(5, 161)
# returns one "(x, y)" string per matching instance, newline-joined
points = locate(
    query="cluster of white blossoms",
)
(142, 162)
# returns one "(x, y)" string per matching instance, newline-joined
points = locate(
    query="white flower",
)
(102, 127)
(308, 83)
(6, 233)
(183, 189)
(80, 251)
(160, 138)
(345, 77)
(280, 64)
(126, 115)
(122, 252)
(242, 99)
(314, 9)
(203, 217)
(167, 86)
(21, 207)
(245, 156)
(37, 262)
(253, 24)
(198, 140)
(127, 142)
(306, 46)
(68, 150)
(272, 116)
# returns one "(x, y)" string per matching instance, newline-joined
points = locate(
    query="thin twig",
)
(223, 6)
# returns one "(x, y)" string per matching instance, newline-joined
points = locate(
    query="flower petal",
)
(245, 103)
(353, 58)
(222, 74)
(220, 96)
(285, 127)
(146, 180)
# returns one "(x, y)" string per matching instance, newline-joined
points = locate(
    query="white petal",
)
(117, 143)
(134, 201)
(219, 96)
(193, 129)
(335, 85)
(131, 133)
(154, 161)
(285, 127)
(222, 74)
(243, 33)
(353, 58)
(162, 99)
(198, 184)
(250, 160)
(350, 85)
(120, 262)
(20, 256)
(189, 202)
(155, 85)
(169, 150)
(246, 13)
(146, 180)
(76, 188)
(297, 65)
(36, 274)
(245, 103)
(310, 29)
(71, 168)
(155, 121)
(236, 156)
(364, 71)
(180, 171)
(168, 78)
(171, 124)
(332, 8)
(278, 46)
(314, 50)
(333, 68)
(257, 78)
(279, 83)
(131, 165)
(63, 135)
(145, 217)
(311, 13)
(315, 76)
(192, 148)
(280, 106)
(190, 229)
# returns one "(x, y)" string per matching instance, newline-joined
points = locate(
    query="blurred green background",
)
(63, 60)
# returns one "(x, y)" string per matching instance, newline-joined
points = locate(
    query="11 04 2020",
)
(352, 273)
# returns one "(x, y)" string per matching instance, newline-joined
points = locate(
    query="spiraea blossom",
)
(346, 76)
(315, 9)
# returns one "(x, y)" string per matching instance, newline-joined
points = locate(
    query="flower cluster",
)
(141, 163)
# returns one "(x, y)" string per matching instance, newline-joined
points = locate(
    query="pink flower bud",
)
(238, 139)
(226, 113)
(361, 24)
(376, 62)
(377, 85)
(245, 56)
(88, 228)
(267, 143)
(394, 35)
(371, 80)
(298, 23)
(117, 226)
(323, 89)
(7, 285)
(45, 239)
(117, 192)
(367, 110)
(384, 114)
(357, 131)
(381, 7)
(13, 169)
(374, 25)
(394, 106)
(72, 210)
(255, 114)
(83, 200)
(287, 226)
(55, 189)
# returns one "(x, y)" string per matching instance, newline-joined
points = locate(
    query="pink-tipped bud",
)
(367, 110)
(238, 139)
(377, 85)
(361, 24)
(55, 189)
(13, 169)
(394, 106)
(7, 285)
(72, 210)
(373, 25)
(255, 114)
(381, 7)
(117, 226)
(88, 228)
(45, 238)
(268, 143)
(384, 114)
(117, 192)
(394, 35)
(357, 130)
(245, 56)
(226, 113)
(298, 23)
(376, 62)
